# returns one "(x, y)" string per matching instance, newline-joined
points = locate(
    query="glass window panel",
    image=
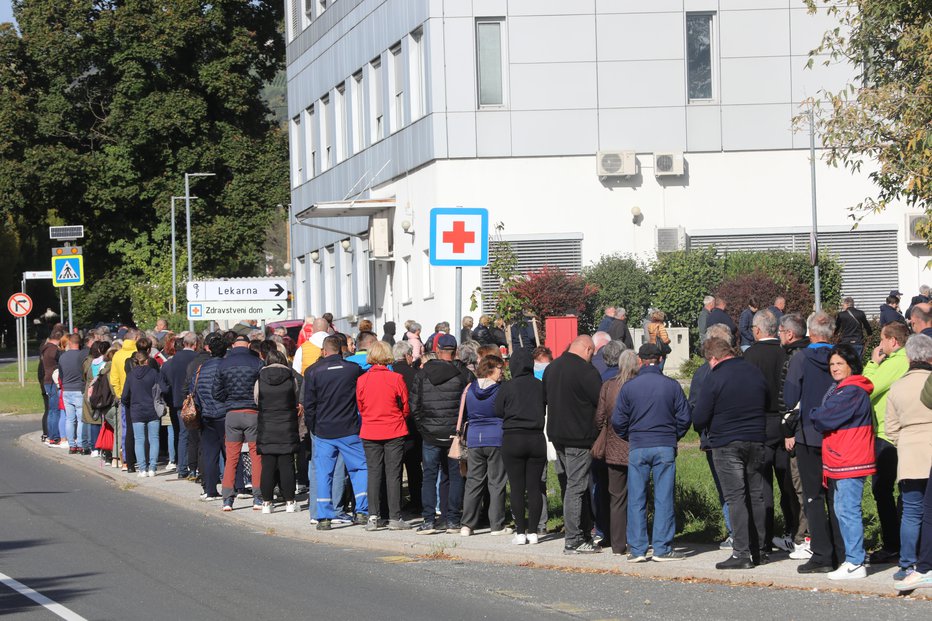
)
(699, 56)
(489, 39)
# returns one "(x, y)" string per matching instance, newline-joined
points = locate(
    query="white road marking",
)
(42, 600)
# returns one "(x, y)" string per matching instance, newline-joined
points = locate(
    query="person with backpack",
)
(140, 394)
(278, 394)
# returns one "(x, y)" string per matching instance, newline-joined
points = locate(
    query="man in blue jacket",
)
(730, 409)
(172, 378)
(332, 418)
(651, 413)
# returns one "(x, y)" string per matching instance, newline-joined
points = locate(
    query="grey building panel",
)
(460, 64)
(701, 5)
(461, 134)
(809, 82)
(547, 7)
(755, 33)
(532, 39)
(734, 5)
(567, 132)
(643, 129)
(641, 36)
(639, 6)
(454, 8)
(703, 128)
(617, 80)
(748, 128)
(493, 133)
(755, 80)
(491, 7)
(806, 30)
(553, 86)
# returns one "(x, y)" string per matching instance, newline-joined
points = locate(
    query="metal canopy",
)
(345, 209)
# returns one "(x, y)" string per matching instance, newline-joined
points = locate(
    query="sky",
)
(6, 11)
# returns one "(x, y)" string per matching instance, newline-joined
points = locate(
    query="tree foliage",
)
(789, 269)
(103, 108)
(551, 291)
(681, 279)
(763, 287)
(882, 121)
(622, 280)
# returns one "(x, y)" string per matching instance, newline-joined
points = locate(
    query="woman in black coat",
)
(277, 392)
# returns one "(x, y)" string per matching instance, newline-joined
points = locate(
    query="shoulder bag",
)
(189, 414)
(458, 448)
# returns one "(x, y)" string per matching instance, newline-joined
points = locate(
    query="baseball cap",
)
(241, 339)
(445, 341)
(649, 350)
(896, 293)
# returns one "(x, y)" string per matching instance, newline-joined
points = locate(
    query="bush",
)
(738, 290)
(787, 269)
(553, 292)
(679, 281)
(622, 280)
(690, 366)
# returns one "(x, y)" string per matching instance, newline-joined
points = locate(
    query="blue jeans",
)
(912, 492)
(326, 452)
(435, 461)
(642, 462)
(140, 432)
(74, 411)
(54, 413)
(848, 511)
(337, 488)
(91, 431)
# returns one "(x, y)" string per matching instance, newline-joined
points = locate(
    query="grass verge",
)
(17, 400)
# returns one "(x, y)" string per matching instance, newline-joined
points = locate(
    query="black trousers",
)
(384, 460)
(618, 507)
(45, 410)
(280, 467)
(827, 546)
(212, 446)
(777, 467)
(882, 485)
(301, 461)
(412, 463)
(525, 457)
(740, 468)
(194, 448)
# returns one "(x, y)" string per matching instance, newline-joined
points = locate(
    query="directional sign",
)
(43, 275)
(263, 309)
(459, 236)
(238, 290)
(68, 271)
(19, 304)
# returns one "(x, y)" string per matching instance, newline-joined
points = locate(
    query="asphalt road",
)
(108, 553)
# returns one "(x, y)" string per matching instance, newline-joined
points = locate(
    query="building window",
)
(427, 275)
(340, 115)
(359, 119)
(418, 75)
(347, 285)
(362, 274)
(331, 280)
(406, 280)
(310, 134)
(326, 145)
(490, 62)
(297, 153)
(377, 101)
(699, 56)
(398, 88)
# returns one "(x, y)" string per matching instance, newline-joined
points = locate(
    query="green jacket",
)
(882, 376)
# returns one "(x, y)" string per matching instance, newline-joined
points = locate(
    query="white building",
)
(563, 119)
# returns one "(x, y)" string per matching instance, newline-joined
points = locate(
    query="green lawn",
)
(16, 400)
(8, 371)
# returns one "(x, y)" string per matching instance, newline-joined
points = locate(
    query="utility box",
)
(560, 333)
(679, 344)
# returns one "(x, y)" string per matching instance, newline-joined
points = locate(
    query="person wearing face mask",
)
(542, 357)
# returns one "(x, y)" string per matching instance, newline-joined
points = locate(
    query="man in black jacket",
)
(792, 333)
(172, 377)
(618, 329)
(718, 315)
(435, 404)
(851, 325)
(404, 360)
(332, 418)
(571, 390)
(767, 355)
(233, 387)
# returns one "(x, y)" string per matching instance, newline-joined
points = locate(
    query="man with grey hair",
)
(618, 330)
(610, 354)
(852, 325)
(769, 357)
(172, 378)
(792, 333)
(920, 320)
(922, 298)
(403, 365)
(778, 306)
(599, 340)
(606, 321)
(807, 382)
(707, 303)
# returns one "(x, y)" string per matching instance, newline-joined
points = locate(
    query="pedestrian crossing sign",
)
(68, 271)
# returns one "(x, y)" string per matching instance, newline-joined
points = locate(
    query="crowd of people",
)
(781, 402)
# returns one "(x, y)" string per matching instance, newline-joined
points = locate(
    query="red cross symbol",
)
(459, 237)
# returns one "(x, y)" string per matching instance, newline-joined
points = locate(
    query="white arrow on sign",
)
(215, 311)
(237, 290)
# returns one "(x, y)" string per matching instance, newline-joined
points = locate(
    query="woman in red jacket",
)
(382, 398)
(846, 422)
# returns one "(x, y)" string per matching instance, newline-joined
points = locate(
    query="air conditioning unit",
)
(669, 164)
(913, 221)
(671, 239)
(380, 236)
(616, 164)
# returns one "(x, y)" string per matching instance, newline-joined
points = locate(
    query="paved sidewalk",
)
(698, 566)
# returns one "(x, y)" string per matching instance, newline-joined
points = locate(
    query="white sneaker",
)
(847, 571)
(505, 531)
(519, 540)
(465, 531)
(801, 551)
(151, 473)
(170, 466)
(532, 538)
(291, 507)
(266, 507)
(142, 474)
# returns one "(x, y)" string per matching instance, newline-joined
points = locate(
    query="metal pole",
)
(174, 270)
(187, 216)
(20, 357)
(70, 313)
(458, 311)
(61, 307)
(815, 227)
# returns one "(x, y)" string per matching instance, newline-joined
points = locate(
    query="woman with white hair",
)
(908, 424)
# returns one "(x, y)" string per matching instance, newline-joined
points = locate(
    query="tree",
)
(736, 292)
(552, 291)
(621, 280)
(882, 121)
(680, 280)
(103, 108)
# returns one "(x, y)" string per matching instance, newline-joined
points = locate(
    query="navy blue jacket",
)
(137, 394)
(651, 410)
(330, 398)
(807, 381)
(888, 314)
(717, 315)
(745, 323)
(236, 380)
(202, 385)
(485, 428)
(172, 376)
(731, 404)
(776, 312)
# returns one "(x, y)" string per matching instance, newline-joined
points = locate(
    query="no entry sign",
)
(459, 236)
(19, 304)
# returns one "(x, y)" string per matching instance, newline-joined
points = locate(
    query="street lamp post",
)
(174, 258)
(187, 215)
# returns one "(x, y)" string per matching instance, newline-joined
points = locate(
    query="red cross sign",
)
(459, 236)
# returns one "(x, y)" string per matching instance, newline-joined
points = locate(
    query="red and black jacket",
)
(846, 422)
